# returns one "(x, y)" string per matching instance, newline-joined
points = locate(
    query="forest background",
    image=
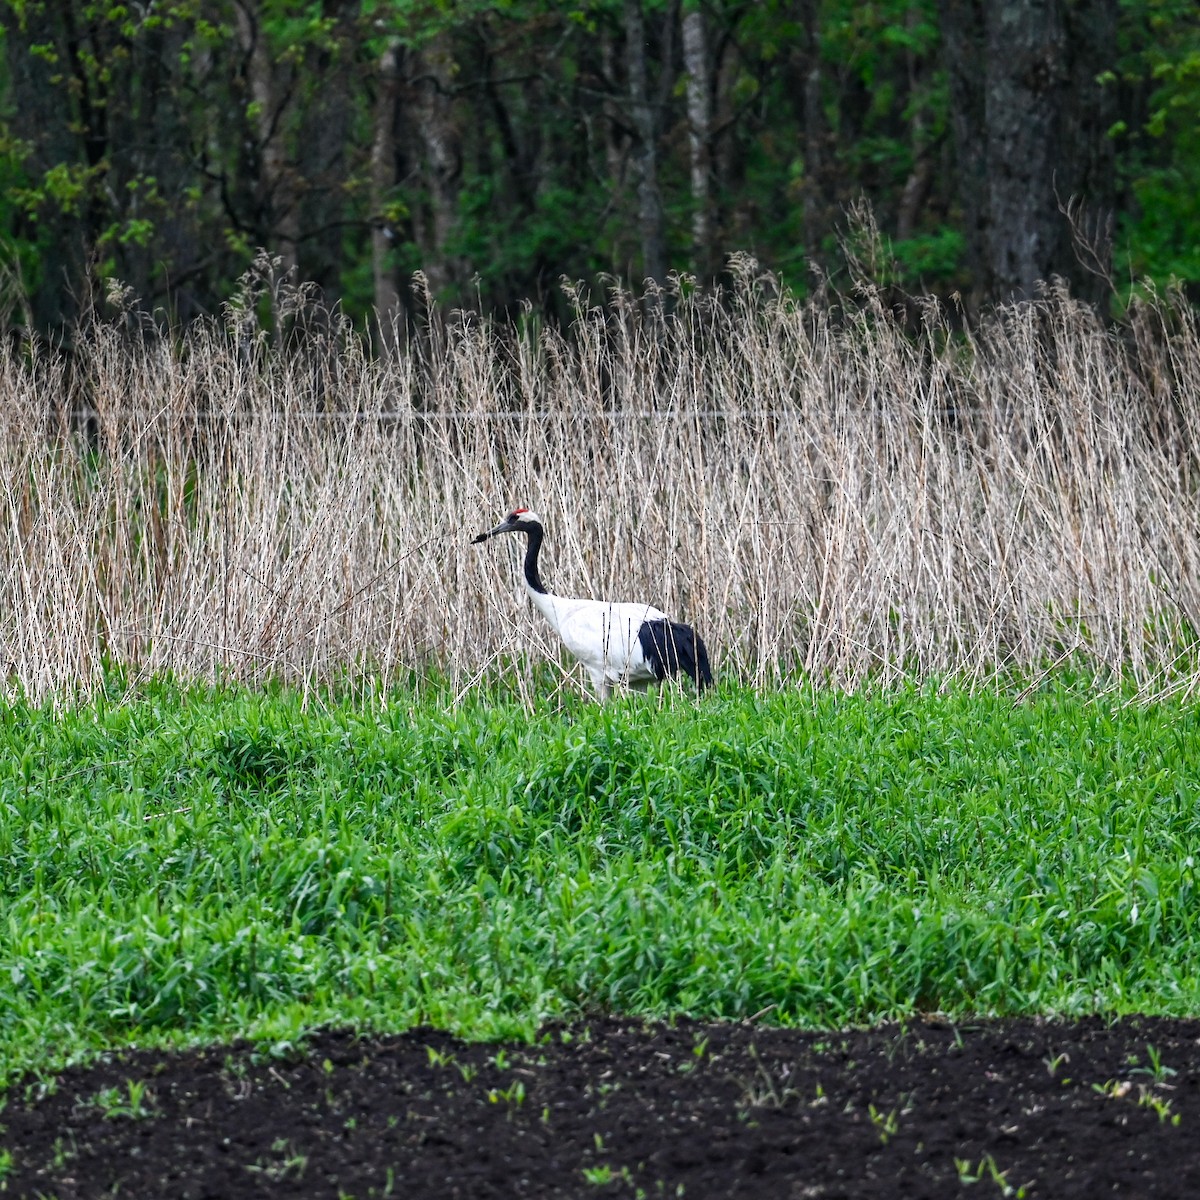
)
(499, 145)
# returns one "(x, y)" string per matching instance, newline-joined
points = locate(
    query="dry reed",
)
(821, 492)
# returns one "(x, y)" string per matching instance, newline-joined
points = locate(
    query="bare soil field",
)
(617, 1107)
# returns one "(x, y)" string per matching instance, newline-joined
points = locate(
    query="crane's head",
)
(517, 521)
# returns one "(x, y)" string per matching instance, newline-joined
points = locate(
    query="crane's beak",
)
(505, 526)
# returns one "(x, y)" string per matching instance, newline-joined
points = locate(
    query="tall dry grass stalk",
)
(817, 490)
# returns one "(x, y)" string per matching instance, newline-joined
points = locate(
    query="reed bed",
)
(824, 492)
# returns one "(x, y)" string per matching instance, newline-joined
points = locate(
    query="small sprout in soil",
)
(605, 1174)
(1118, 1089)
(136, 1103)
(39, 1089)
(63, 1153)
(439, 1058)
(888, 1125)
(513, 1096)
(897, 1043)
(987, 1170)
(764, 1092)
(1147, 1099)
(6, 1163)
(291, 1167)
(1052, 1064)
(500, 1060)
(1155, 1070)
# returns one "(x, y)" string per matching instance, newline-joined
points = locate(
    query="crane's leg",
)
(601, 684)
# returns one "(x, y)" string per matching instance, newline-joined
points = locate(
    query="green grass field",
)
(201, 864)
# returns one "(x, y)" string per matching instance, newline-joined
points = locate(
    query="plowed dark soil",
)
(622, 1108)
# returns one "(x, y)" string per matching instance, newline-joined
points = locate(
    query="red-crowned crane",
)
(631, 644)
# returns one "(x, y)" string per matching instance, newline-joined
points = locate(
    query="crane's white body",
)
(603, 635)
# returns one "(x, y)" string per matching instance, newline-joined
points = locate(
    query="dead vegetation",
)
(819, 489)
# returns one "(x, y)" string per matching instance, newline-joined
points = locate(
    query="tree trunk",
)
(383, 178)
(1029, 123)
(816, 214)
(278, 208)
(616, 140)
(650, 210)
(441, 142)
(963, 37)
(1091, 158)
(1025, 79)
(916, 186)
(699, 109)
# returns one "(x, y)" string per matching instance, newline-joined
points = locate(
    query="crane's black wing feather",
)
(674, 649)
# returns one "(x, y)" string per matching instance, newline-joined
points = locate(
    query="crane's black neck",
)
(533, 547)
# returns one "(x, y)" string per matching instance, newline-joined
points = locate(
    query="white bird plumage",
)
(628, 644)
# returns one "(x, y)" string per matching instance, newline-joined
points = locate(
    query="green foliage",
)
(165, 145)
(559, 222)
(1161, 153)
(937, 255)
(202, 864)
